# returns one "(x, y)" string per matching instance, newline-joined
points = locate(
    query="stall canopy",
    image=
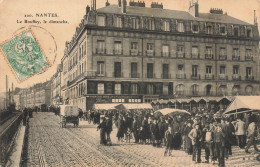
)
(134, 106)
(166, 111)
(105, 106)
(242, 104)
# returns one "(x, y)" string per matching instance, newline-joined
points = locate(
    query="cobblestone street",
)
(50, 145)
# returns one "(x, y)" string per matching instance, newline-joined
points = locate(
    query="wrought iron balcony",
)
(118, 75)
(95, 74)
(249, 78)
(195, 77)
(209, 76)
(208, 56)
(165, 54)
(180, 55)
(195, 56)
(222, 57)
(236, 57)
(150, 75)
(149, 53)
(223, 77)
(181, 76)
(249, 58)
(101, 51)
(117, 51)
(166, 76)
(134, 75)
(133, 52)
(236, 77)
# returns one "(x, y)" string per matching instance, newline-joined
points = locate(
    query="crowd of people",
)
(190, 133)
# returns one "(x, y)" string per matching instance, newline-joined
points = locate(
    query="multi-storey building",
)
(133, 53)
(56, 86)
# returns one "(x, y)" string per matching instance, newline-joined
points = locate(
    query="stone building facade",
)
(132, 53)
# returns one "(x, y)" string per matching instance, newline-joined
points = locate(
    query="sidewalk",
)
(15, 157)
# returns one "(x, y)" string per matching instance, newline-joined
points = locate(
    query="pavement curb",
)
(16, 154)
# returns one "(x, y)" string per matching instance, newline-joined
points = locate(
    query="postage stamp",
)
(24, 55)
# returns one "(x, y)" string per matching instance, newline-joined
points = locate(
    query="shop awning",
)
(242, 104)
(105, 106)
(166, 111)
(134, 106)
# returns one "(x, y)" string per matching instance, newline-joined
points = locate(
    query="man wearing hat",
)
(196, 135)
(219, 140)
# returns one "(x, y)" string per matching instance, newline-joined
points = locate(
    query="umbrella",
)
(166, 111)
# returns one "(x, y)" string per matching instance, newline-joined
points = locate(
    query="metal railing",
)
(235, 57)
(7, 139)
(197, 77)
(222, 57)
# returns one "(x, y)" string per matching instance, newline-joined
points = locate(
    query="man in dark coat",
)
(135, 128)
(121, 128)
(155, 132)
(109, 125)
(145, 129)
(219, 140)
(162, 130)
(102, 127)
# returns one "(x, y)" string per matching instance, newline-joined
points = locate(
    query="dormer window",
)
(166, 26)
(180, 27)
(119, 22)
(195, 28)
(249, 32)
(222, 30)
(235, 31)
(101, 20)
(209, 30)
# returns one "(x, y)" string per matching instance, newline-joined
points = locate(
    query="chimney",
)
(87, 9)
(93, 5)
(156, 5)
(194, 9)
(119, 3)
(255, 19)
(107, 3)
(123, 8)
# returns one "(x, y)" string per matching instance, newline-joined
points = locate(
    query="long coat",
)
(121, 128)
(102, 127)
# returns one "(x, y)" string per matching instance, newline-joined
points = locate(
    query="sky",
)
(72, 11)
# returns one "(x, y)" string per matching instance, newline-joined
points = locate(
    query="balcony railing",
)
(150, 75)
(180, 55)
(118, 75)
(165, 54)
(223, 77)
(236, 57)
(209, 76)
(95, 74)
(249, 78)
(149, 53)
(236, 77)
(166, 76)
(195, 77)
(134, 75)
(117, 51)
(195, 56)
(181, 76)
(222, 57)
(101, 51)
(208, 56)
(133, 52)
(249, 58)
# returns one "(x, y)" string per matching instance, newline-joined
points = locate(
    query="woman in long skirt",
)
(102, 127)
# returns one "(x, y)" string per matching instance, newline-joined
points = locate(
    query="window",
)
(150, 49)
(166, 26)
(165, 50)
(249, 55)
(117, 69)
(249, 90)
(150, 24)
(180, 89)
(134, 70)
(119, 22)
(235, 31)
(235, 55)
(134, 46)
(118, 47)
(222, 70)
(150, 88)
(222, 30)
(209, 53)
(134, 89)
(194, 52)
(100, 68)
(135, 23)
(248, 72)
(209, 30)
(100, 46)
(235, 90)
(249, 32)
(195, 89)
(100, 88)
(180, 67)
(180, 27)
(117, 89)
(208, 69)
(180, 51)
(101, 20)
(222, 53)
(194, 70)
(195, 28)
(149, 70)
(165, 71)
(208, 90)
(235, 70)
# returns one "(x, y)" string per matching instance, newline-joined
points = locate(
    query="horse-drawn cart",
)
(69, 114)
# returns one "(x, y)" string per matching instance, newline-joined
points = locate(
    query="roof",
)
(244, 104)
(175, 14)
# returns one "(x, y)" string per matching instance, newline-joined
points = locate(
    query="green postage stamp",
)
(24, 55)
